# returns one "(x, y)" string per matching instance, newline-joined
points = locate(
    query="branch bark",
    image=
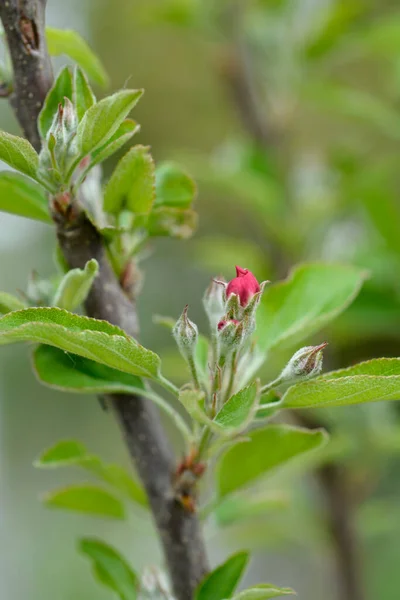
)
(179, 530)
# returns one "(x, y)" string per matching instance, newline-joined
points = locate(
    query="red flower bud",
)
(245, 285)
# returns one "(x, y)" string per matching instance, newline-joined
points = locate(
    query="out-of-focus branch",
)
(340, 508)
(179, 528)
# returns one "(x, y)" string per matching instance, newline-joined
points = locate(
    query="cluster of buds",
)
(58, 149)
(240, 296)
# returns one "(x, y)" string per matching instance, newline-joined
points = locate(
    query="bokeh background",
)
(287, 114)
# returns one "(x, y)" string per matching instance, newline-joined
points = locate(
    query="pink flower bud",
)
(245, 285)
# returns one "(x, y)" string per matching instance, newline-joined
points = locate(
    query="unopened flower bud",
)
(214, 302)
(230, 336)
(245, 285)
(304, 364)
(185, 333)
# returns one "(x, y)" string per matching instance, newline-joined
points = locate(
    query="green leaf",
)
(90, 338)
(267, 449)
(22, 196)
(174, 187)
(222, 582)
(264, 591)
(308, 300)
(193, 402)
(83, 96)
(370, 381)
(61, 88)
(125, 131)
(132, 182)
(70, 43)
(18, 153)
(173, 222)
(238, 412)
(75, 286)
(9, 303)
(103, 119)
(86, 498)
(73, 373)
(111, 568)
(67, 453)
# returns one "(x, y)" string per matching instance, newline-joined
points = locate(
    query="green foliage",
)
(68, 453)
(72, 373)
(86, 498)
(239, 410)
(308, 300)
(103, 119)
(370, 381)
(18, 153)
(236, 508)
(110, 568)
(265, 450)
(221, 583)
(70, 43)
(9, 303)
(61, 88)
(174, 187)
(125, 131)
(90, 338)
(83, 97)
(132, 184)
(22, 196)
(75, 286)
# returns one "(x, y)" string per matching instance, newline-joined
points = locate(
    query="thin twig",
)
(138, 417)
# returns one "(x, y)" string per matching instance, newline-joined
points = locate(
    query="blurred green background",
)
(287, 114)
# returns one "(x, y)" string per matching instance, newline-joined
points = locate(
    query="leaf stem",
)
(273, 384)
(171, 412)
(168, 385)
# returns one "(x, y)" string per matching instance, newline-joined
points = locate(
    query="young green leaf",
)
(237, 413)
(83, 97)
(103, 119)
(18, 153)
(267, 449)
(75, 286)
(111, 568)
(69, 453)
(263, 591)
(72, 373)
(174, 187)
(86, 498)
(370, 381)
(173, 222)
(131, 185)
(90, 338)
(22, 196)
(309, 299)
(222, 582)
(61, 88)
(9, 303)
(193, 402)
(125, 131)
(70, 43)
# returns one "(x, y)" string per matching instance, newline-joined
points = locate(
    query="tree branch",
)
(179, 529)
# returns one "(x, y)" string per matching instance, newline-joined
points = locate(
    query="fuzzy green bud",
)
(186, 334)
(214, 302)
(304, 364)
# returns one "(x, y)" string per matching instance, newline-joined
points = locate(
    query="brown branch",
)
(179, 529)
